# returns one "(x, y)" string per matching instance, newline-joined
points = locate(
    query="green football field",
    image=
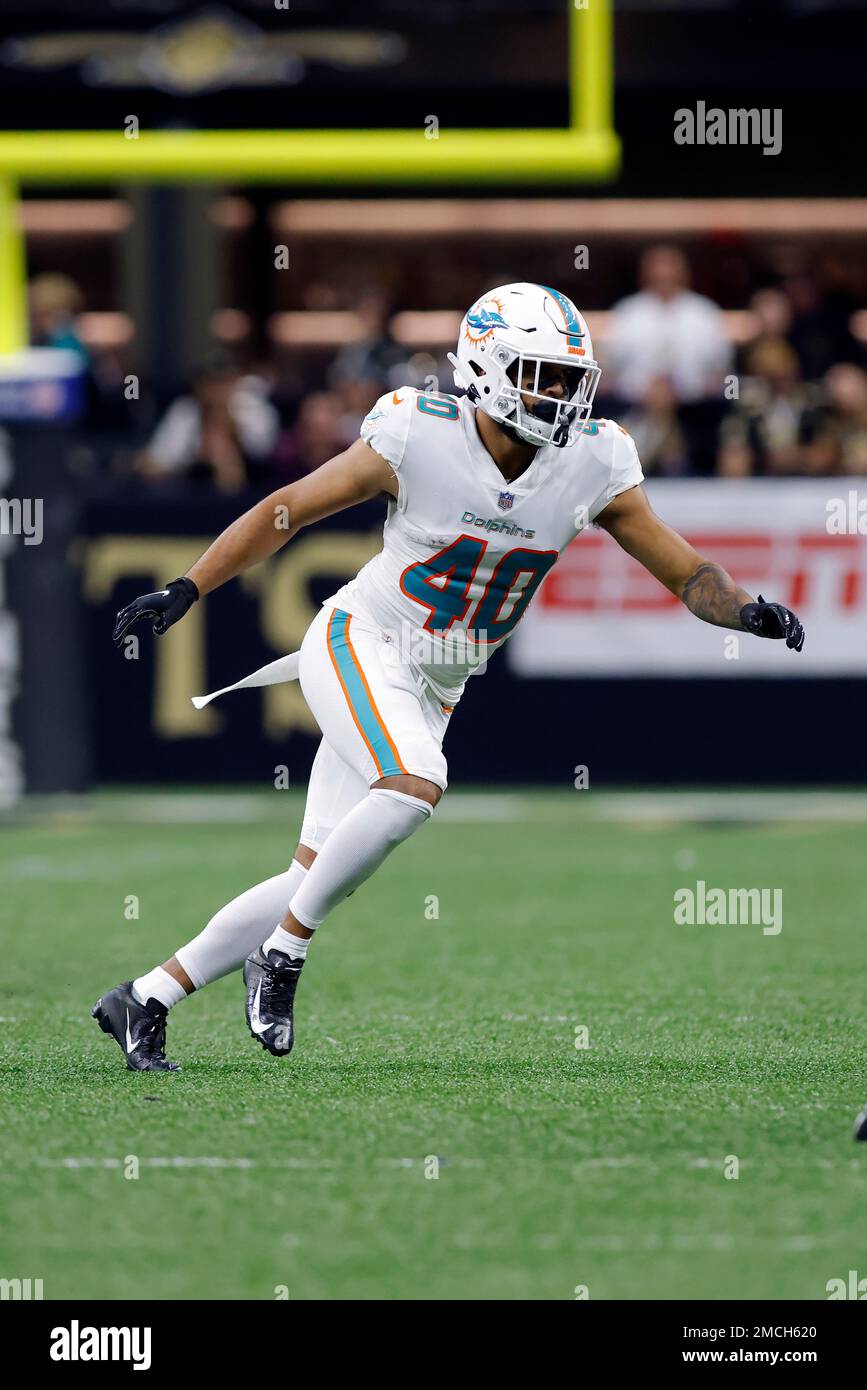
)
(436, 1133)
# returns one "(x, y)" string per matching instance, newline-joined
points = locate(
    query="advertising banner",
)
(799, 542)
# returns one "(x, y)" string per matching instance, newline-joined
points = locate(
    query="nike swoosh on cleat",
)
(130, 1045)
(256, 1023)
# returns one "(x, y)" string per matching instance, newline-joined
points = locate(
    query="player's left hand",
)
(773, 620)
(166, 607)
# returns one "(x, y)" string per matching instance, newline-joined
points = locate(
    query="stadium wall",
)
(606, 671)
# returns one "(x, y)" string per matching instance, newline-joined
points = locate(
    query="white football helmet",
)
(522, 327)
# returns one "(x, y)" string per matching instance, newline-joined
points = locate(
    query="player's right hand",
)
(166, 607)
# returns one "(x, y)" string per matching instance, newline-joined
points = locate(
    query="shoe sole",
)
(264, 1046)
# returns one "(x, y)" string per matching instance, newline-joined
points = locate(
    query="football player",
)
(484, 492)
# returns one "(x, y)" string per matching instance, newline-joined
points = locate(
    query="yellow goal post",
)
(586, 150)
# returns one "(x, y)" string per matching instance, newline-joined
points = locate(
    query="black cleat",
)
(138, 1029)
(271, 982)
(861, 1125)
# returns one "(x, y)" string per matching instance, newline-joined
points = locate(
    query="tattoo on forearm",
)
(713, 596)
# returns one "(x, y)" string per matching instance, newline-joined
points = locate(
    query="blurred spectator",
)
(770, 318)
(355, 399)
(667, 330)
(315, 437)
(772, 313)
(775, 419)
(375, 354)
(659, 439)
(840, 444)
(366, 367)
(224, 432)
(820, 330)
(54, 301)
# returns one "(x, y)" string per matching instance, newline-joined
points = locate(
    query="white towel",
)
(285, 668)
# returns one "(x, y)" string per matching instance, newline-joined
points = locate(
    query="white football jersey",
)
(464, 551)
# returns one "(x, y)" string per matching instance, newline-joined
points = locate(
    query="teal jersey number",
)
(442, 408)
(456, 565)
(536, 564)
(442, 584)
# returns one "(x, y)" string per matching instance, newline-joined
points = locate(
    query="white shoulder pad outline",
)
(386, 427)
(626, 470)
(614, 448)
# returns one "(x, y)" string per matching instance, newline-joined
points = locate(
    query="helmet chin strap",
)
(560, 437)
(511, 432)
(549, 411)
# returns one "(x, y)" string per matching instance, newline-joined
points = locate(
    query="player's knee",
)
(411, 786)
(304, 855)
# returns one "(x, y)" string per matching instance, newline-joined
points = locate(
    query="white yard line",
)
(703, 1242)
(613, 1162)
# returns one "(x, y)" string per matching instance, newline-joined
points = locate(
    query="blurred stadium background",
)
(192, 314)
(220, 337)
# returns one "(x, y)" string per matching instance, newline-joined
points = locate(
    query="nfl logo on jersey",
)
(505, 500)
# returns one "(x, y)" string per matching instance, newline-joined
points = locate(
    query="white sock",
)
(238, 928)
(158, 984)
(293, 946)
(358, 845)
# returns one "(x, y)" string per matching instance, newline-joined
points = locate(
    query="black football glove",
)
(166, 606)
(773, 620)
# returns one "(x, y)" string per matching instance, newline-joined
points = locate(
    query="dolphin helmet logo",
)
(482, 320)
